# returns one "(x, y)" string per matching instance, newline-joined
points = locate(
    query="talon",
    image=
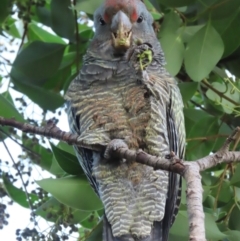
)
(173, 158)
(110, 152)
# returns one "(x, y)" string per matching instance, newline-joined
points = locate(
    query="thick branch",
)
(189, 170)
(50, 130)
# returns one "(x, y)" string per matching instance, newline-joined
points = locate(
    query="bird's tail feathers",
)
(156, 234)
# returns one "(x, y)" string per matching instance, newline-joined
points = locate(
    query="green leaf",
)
(56, 169)
(226, 90)
(171, 43)
(203, 52)
(179, 230)
(96, 233)
(88, 6)
(44, 14)
(195, 114)
(234, 220)
(212, 231)
(37, 33)
(155, 14)
(223, 9)
(13, 27)
(68, 162)
(171, 23)
(177, 3)
(4, 9)
(38, 61)
(187, 32)
(235, 180)
(7, 108)
(229, 30)
(91, 221)
(187, 90)
(57, 82)
(231, 37)
(204, 127)
(68, 59)
(46, 99)
(232, 235)
(41, 156)
(226, 193)
(63, 22)
(18, 195)
(66, 147)
(75, 192)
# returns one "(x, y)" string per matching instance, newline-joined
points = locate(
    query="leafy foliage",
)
(201, 42)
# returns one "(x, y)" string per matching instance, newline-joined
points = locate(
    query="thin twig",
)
(24, 147)
(25, 27)
(219, 93)
(20, 175)
(205, 138)
(77, 35)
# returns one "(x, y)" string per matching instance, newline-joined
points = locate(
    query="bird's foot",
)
(174, 158)
(141, 56)
(112, 147)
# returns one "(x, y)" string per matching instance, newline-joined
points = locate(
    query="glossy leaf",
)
(75, 192)
(46, 99)
(198, 147)
(66, 147)
(40, 155)
(187, 90)
(203, 52)
(91, 221)
(150, 7)
(171, 43)
(232, 235)
(229, 31)
(36, 33)
(88, 6)
(96, 233)
(4, 10)
(187, 32)
(68, 162)
(44, 14)
(227, 90)
(234, 221)
(225, 194)
(223, 9)
(7, 108)
(38, 61)
(179, 230)
(59, 12)
(14, 28)
(235, 180)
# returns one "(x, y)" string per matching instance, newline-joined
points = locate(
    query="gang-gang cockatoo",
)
(123, 96)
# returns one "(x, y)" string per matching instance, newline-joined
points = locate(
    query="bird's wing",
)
(176, 135)
(85, 156)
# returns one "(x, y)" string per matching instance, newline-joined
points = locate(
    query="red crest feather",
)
(129, 6)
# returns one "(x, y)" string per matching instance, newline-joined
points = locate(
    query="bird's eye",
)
(140, 19)
(101, 21)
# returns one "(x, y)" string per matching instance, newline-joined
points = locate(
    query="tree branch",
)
(189, 170)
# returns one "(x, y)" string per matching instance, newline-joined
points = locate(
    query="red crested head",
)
(127, 6)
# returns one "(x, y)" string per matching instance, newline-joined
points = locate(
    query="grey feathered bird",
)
(124, 95)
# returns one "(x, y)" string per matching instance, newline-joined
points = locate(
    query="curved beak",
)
(121, 28)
